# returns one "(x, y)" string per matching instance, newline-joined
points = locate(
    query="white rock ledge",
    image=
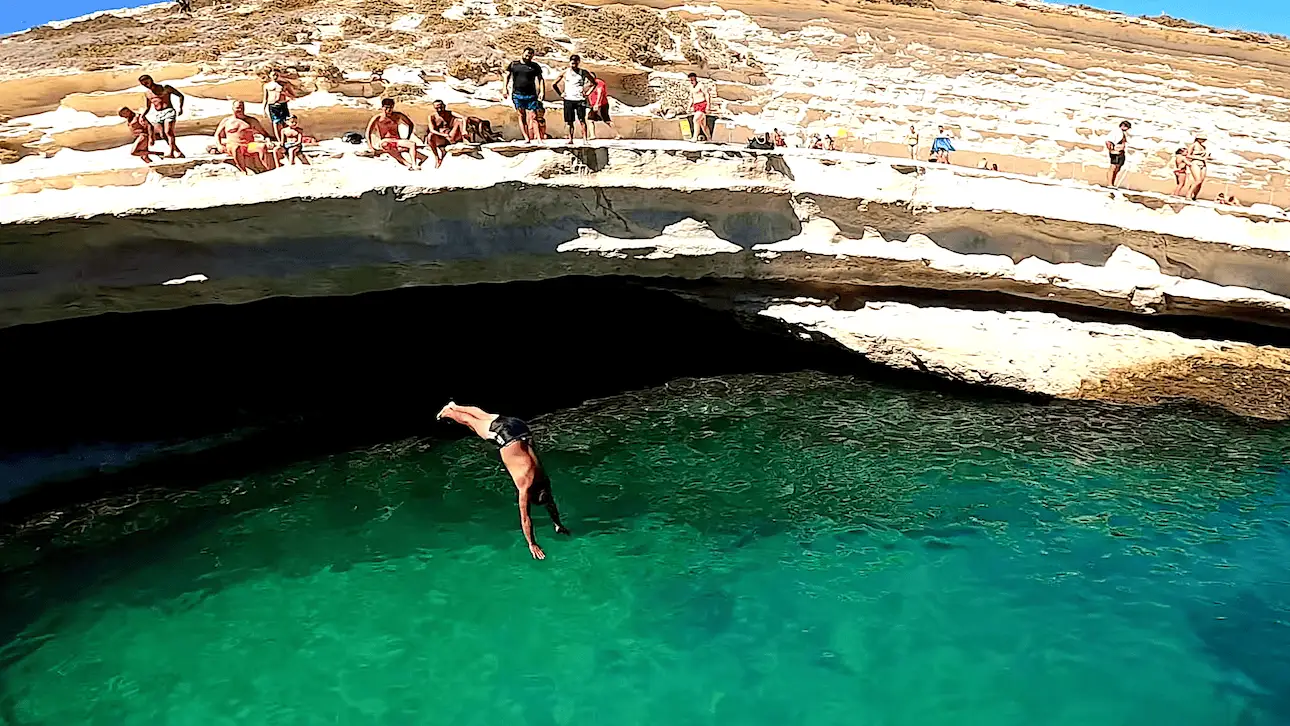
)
(678, 210)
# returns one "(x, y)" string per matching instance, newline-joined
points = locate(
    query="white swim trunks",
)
(166, 115)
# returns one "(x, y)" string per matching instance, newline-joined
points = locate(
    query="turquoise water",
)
(755, 550)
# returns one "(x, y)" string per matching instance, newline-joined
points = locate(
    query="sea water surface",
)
(800, 549)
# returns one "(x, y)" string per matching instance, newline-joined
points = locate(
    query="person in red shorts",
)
(598, 100)
(700, 102)
(387, 125)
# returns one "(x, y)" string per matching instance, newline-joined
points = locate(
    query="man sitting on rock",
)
(142, 131)
(246, 140)
(387, 124)
(446, 127)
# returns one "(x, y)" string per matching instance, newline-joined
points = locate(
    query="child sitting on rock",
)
(294, 140)
(143, 135)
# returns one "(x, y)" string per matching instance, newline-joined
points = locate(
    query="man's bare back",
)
(514, 439)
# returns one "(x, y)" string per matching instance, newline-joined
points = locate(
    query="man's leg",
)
(554, 512)
(474, 418)
(170, 138)
(524, 125)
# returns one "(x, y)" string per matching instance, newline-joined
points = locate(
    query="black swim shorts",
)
(1117, 159)
(506, 430)
(575, 110)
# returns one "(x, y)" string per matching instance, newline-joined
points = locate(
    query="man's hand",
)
(536, 551)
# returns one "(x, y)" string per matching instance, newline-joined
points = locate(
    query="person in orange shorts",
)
(245, 140)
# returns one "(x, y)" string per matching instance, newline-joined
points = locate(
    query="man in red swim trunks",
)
(446, 127)
(387, 125)
(515, 441)
(700, 101)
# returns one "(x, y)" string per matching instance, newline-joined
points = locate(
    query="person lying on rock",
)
(246, 141)
(294, 140)
(446, 127)
(142, 131)
(386, 125)
(514, 439)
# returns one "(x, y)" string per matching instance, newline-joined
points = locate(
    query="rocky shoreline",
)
(675, 211)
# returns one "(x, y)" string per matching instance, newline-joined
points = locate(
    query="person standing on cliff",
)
(526, 87)
(159, 99)
(574, 85)
(1117, 144)
(278, 91)
(700, 105)
(1198, 163)
(514, 441)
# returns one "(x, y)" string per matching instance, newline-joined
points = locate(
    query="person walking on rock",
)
(161, 101)
(514, 441)
(526, 87)
(573, 86)
(1117, 145)
(142, 131)
(912, 142)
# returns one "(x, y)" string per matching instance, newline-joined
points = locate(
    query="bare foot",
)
(444, 410)
(570, 141)
(438, 162)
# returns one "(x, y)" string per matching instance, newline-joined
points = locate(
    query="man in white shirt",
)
(1117, 145)
(573, 86)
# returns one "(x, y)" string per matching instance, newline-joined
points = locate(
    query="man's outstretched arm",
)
(526, 524)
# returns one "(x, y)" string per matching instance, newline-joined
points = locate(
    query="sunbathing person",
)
(387, 125)
(294, 140)
(246, 140)
(143, 136)
(446, 127)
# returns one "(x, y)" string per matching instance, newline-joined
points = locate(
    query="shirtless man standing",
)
(386, 124)
(700, 102)
(244, 138)
(1117, 145)
(446, 127)
(158, 98)
(278, 91)
(513, 437)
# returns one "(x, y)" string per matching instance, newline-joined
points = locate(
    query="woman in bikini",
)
(1180, 171)
(1197, 160)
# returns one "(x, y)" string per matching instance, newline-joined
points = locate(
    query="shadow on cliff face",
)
(287, 378)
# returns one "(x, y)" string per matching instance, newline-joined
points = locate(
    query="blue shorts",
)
(279, 113)
(525, 102)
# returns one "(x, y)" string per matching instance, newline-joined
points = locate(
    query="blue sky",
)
(1264, 15)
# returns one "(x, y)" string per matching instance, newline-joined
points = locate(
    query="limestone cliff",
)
(1033, 88)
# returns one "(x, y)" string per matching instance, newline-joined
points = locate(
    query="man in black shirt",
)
(527, 87)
